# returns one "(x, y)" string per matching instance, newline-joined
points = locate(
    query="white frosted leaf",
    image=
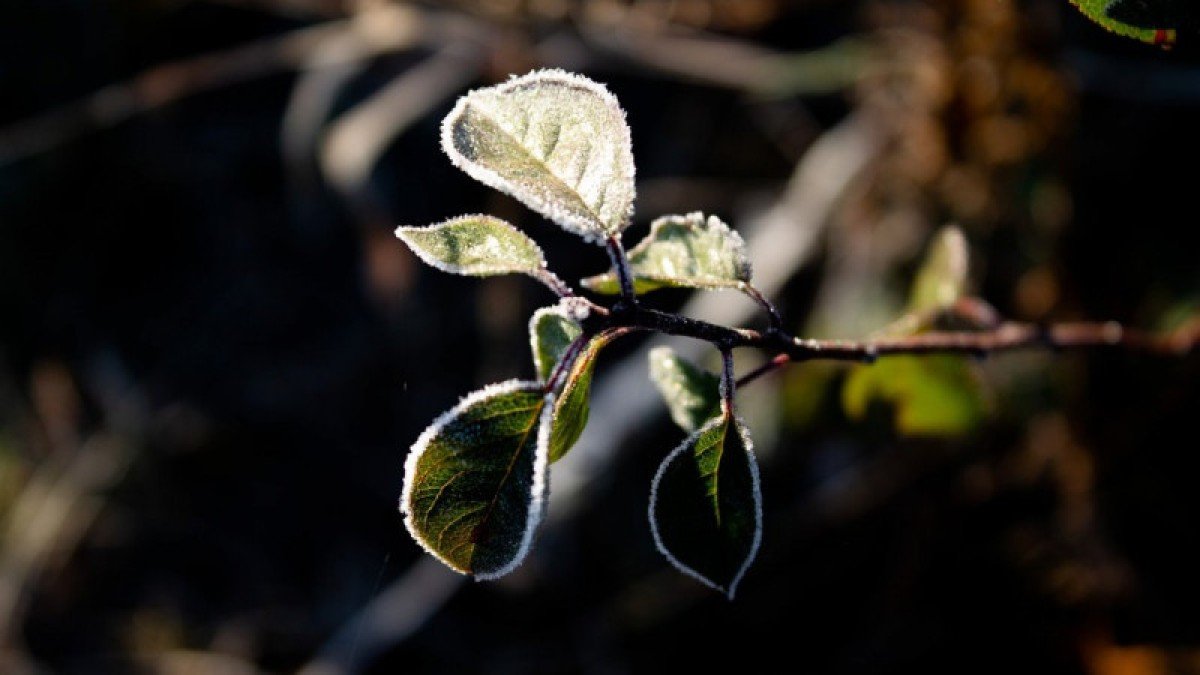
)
(557, 142)
(477, 246)
(684, 252)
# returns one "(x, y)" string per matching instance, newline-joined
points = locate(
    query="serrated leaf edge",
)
(742, 430)
(455, 269)
(593, 231)
(539, 490)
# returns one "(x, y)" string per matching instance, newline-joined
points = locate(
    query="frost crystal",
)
(556, 141)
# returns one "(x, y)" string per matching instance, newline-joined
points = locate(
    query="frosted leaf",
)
(683, 252)
(476, 245)
(942, 279)
(557, 142)
(476, 481)
(573, 405)
(706, 505)
(551, 331)
(692, 395)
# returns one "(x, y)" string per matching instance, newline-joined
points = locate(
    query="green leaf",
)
(683, 252)
(478, 246)
(557, 142)
(1155, 22)
(551, 331)
(692, 395)
(930, 395)
(572, 407)
(706, 506)
(475, 482)
(942, 279)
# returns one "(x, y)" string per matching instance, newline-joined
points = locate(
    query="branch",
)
(1007, 336)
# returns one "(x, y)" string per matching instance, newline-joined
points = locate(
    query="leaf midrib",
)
(491, 508)
(596, 219)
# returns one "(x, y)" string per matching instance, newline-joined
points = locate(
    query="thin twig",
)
(771, 366)
(728, 383)
(767, 305)
(620, 263)
(1006, 337)
(567, 359)
(554, 283)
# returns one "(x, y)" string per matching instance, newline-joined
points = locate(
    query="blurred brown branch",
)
(374, 31)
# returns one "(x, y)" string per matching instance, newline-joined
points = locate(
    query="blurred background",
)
(214, 355)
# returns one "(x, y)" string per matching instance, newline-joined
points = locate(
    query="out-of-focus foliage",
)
(930, 395)
(1153, 21)
(935, 395)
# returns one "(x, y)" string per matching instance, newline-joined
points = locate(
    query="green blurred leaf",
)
(942, 279)
(805, 390)
(1152, 21)
(551, 331)
(930, 395)
(706, 506)
(557, 142)
(683, 252)
(692, 395)
(477, 246)
(572, 408)
(475, 482)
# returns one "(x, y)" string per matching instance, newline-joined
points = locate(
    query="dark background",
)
(213, 357)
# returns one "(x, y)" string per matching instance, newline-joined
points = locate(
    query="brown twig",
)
(1007, 336)
(771, 366)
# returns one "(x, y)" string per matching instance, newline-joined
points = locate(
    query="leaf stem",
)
(620, 263)
(767, 305)
(568, 358)
(728, 383)
(554, 283)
